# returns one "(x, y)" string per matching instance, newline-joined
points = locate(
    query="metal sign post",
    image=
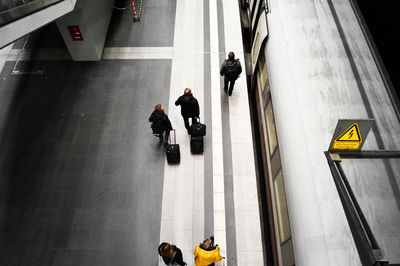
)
(346, 143)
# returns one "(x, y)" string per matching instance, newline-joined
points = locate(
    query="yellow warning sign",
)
(348, 140)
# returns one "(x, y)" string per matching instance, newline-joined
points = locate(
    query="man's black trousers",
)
(228, 83)
(186, 121)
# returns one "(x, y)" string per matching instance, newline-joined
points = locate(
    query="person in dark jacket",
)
(170, 254)
(160, 123)
(189, 107)
(231, 70)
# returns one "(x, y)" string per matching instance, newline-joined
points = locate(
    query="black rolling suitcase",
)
(196, 145)
(197, 129)
(173, 152)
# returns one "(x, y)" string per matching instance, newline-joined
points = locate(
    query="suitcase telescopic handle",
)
(174, 136)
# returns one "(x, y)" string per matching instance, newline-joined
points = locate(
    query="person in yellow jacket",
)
(206, 254)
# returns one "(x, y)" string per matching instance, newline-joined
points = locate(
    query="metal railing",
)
(371, 254)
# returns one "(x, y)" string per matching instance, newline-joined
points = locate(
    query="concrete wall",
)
(312, 69)
(93, 18)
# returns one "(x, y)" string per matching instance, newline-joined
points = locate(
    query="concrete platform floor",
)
(81, 176)
(83, 180)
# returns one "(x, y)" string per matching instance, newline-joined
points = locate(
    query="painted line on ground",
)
(109, 53)
(218, 160)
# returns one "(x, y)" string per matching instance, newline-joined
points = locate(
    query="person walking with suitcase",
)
(231, 70)
(189, 107)
(206, 254)
(170, 254)
(160, 123)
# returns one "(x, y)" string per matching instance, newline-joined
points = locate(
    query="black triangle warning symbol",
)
(351, 134)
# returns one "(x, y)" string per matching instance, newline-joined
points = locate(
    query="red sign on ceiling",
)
(75, 33)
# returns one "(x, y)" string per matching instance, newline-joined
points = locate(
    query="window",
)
(281, 207)
(263, 71)
(274, 179)
(270, 122)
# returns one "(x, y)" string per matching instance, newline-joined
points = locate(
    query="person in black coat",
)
(160, 122)
(170, 254)
(231, 70)
(189, 107)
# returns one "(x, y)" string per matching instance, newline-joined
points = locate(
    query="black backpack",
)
(197, 129)
(231, 71)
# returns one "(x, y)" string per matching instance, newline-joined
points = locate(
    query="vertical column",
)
(84, 30)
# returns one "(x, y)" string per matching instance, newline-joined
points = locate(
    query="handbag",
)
(197, 129)
(172, 262)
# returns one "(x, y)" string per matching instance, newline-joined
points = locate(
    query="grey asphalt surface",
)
(81, 175)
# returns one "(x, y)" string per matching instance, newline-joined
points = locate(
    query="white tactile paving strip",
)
(182, 222)
(137, 53)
